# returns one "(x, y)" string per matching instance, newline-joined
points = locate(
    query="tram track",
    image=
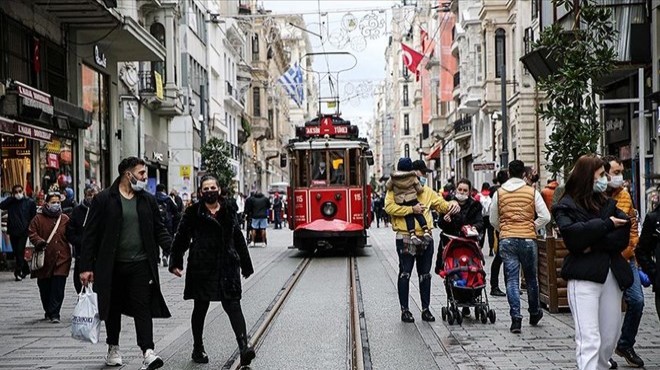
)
(357, 338)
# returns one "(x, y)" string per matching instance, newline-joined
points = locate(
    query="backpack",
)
(485, 201)
(164, 213)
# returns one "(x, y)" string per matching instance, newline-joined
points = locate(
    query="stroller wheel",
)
(482, 312)
(450, 318)
(492, 316)
(443, 313)
(459, 318)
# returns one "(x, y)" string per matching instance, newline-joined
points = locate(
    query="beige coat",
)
(405, 186)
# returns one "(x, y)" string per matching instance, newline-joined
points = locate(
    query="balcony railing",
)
(235, 151)
(233, 93)
(462, 126)
(148, 82)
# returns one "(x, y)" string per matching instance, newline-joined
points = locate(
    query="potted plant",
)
(580, 56)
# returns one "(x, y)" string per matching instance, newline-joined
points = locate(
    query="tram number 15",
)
(357, 197)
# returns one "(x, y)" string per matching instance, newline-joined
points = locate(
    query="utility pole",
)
(504, 157)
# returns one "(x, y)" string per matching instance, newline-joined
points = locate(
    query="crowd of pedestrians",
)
(116, 235)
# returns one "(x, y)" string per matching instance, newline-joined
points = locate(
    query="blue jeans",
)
(406, 264)
(634, 297)
(515, 253)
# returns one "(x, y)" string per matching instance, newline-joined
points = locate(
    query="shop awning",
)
(7, 126)
(435, 152)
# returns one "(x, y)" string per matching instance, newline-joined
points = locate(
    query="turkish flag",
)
(428, 44)
(411, 58)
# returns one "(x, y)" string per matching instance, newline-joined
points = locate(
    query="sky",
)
(370, 61)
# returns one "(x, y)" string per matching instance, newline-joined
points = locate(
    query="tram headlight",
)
(328, 209)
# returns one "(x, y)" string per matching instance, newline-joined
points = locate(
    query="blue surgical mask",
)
(600, 185)
(422, 181)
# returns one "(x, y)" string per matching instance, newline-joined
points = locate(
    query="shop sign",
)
(53, 161)
(23, 153)
(185, 171)
(33, 132)
(616, 121)
(34, 98)
(158, 157)
(99, 57)
(484, 167)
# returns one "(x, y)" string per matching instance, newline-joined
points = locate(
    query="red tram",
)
(329, 197)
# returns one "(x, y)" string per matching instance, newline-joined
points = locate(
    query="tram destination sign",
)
(326, 130)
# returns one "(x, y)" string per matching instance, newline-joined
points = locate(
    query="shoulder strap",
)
(52, 233)
(86, 214)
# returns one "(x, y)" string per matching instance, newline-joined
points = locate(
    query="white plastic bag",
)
(85, 322)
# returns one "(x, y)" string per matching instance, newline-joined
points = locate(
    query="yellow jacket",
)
(428, 197)
(624, 203)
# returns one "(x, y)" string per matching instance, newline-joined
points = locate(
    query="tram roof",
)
(319, 144)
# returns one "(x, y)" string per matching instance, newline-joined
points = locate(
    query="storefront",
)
(39, 139)
(156, 156)
(95, 97)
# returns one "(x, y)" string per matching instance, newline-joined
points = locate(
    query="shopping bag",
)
(85, 322)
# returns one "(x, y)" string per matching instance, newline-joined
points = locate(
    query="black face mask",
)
(210, 197)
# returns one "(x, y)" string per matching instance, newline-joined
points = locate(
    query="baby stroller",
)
(465, 278)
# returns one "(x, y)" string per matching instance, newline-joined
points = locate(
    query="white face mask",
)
(137, 185)
(19, 196)
(616, 182)
(461, 197)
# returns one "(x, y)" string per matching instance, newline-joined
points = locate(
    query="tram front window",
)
(328, 167)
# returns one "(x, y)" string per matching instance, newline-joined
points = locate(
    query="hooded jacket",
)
(501, 221)
(429, 198)
(405, 186)
(257, 206)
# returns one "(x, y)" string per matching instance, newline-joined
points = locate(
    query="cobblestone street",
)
(29, 343)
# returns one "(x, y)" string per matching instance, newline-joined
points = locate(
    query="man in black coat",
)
(21, 210)
(257, 207)
(120, 255)
(75, 229)
(648, 252)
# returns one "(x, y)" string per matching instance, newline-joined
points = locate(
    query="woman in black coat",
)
(648, 252)
(595, 233)
(470, 214)
(217, 258)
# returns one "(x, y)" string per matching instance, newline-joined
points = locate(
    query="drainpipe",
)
(537, 143)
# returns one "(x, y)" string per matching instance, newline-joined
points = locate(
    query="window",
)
(95, 99)
(405, 96)
(478, 57)
(535, 9)
(17, 54)
(406, 124)
(157, 30)
(256, 102)
(271, 123)
(255, 48)
(406, 151)
(405, 71)
(500, 50)
(485, 58)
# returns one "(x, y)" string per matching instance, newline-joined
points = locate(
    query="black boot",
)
(247, 352)
(199, 355)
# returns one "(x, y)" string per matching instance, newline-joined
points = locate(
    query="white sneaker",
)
(114, 357)
(151, 361)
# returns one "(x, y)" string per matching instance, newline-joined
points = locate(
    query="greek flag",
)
(292, 80)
